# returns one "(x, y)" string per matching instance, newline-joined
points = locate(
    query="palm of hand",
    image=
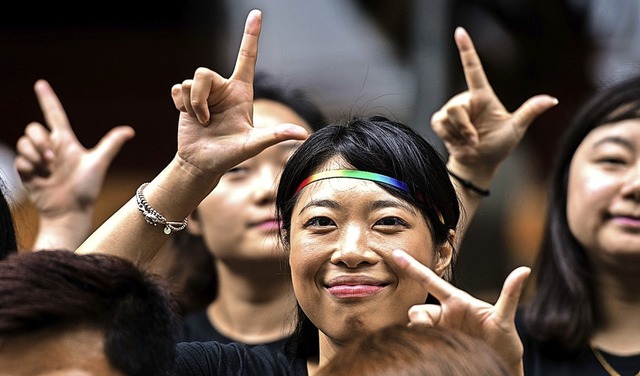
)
(227, 139)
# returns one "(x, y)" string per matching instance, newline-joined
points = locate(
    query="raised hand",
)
(63, 178)
(495, 324)
(476, 128)
(215, 133)
(215, 129)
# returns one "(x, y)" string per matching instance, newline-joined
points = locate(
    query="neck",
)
(620, 302)
(255, 306)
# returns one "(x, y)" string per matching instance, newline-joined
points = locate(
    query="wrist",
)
(476, 179)
(179, 189)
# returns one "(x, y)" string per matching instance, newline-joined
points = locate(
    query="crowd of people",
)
(326, 246)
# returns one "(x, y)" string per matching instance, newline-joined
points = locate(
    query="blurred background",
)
(114, 63)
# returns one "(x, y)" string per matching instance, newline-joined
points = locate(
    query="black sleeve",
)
(213, 358)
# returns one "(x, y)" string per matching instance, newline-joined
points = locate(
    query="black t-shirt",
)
(548, 360)
(212, 358)
(196, 327)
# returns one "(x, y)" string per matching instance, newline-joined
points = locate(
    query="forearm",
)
(65, 232)
(174, 193)
(470, 199)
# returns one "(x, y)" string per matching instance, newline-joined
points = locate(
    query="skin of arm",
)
(63, 179)
(478, 131)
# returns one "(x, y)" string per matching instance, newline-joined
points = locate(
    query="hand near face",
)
(477, 130)
(495, 324)
(215, 128)
(63, 178)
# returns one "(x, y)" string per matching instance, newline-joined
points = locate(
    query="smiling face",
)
(342, 234)
(237, 219)
(603, 199)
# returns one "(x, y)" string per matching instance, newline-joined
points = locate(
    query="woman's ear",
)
(194, 227)
(445, 255)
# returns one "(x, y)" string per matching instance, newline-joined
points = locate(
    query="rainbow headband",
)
(354, 174)
(362, 175)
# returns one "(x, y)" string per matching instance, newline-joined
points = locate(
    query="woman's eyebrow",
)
(322, 203)
(381, 204)
(615, 140)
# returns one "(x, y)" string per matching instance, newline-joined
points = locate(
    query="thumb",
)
(262, 138)
(507, 303)
(531, 109)
(112, 142)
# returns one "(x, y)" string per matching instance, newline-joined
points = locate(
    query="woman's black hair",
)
(8, 241)
(564, 310)
(379, 145)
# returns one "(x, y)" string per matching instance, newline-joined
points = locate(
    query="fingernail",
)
(49, 155)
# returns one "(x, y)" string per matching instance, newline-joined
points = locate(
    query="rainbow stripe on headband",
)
(354, 174)
(363, 175)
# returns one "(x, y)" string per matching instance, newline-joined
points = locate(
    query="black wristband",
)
(469, 185)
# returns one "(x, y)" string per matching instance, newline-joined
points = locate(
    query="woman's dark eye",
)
(319, 222)
(612, 161)
(391, 221)
(237, 170)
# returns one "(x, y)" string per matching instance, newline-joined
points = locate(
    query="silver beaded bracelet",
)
(153, 217)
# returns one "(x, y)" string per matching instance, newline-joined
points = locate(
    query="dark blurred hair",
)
(564, 310)
(193, 272)
(417, 350)
(380, 145)
(50, 290)
(8, 242)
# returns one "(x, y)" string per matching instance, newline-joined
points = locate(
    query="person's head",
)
(389, 189)
(416, 350)
(8, 242)
(593, 221)
(236, 222)
(96, 314)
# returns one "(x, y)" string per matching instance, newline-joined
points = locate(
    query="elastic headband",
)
(354, 174)
(362, 175)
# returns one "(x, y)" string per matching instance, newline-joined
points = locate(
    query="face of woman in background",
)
(237, 220)
(342, 234)
(603, 199)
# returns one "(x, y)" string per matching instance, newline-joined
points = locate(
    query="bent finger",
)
(178, 99)
(40, 139)
(461, 122)
(425, 314)
(28, 151)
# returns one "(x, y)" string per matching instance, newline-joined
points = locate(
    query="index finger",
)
(471, 64)
(54, 114)
(248, 54)
(437, 286)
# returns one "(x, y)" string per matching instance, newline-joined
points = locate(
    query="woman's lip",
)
(627, 221)
(269, 225)
(354, 291)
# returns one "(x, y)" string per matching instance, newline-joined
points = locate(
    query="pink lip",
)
(269, 225)
(354, 286)
(627, 221)
(354, 291)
